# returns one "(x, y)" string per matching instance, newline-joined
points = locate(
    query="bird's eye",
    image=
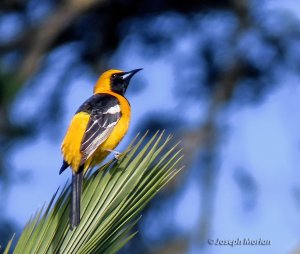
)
(113, 76)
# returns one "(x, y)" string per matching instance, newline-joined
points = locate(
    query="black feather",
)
(76, 198)
(64, 166)
(98, 103)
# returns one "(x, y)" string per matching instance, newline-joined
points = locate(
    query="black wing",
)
(105, 112)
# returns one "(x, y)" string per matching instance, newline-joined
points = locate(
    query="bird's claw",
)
(117, 155)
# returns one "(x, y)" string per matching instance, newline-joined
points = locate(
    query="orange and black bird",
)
(96, 129)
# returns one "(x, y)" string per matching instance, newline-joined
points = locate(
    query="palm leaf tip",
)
(112, 200)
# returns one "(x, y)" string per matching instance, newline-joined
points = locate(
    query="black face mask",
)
(120, 81)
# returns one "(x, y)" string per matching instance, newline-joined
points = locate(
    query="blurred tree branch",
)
(206, 137)
(44, 35)
(176, 246)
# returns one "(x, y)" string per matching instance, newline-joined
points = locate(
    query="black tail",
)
(64, 166)
(75, 198)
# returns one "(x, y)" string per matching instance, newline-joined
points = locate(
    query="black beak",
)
(129, 74)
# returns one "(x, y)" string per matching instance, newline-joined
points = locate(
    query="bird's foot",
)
(117, 155)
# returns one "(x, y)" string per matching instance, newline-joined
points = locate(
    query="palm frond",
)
(112, 200)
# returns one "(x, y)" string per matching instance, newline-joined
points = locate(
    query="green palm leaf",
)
(112, 199)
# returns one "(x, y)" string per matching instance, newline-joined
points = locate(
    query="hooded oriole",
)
(96, 129)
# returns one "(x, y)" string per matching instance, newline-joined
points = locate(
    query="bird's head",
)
(114, 80)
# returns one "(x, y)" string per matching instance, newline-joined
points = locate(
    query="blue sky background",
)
(262, 139)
